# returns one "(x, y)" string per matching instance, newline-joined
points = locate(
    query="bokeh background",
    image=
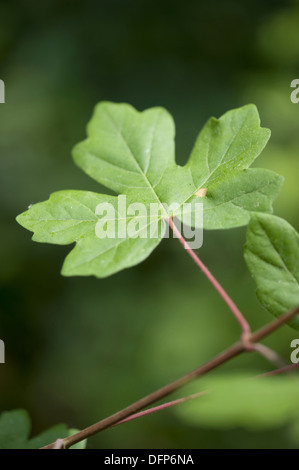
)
(79, 349)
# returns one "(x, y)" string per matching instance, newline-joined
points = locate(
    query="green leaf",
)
(223, 151)
(230, 202)
(236, 400)
(132, 153)
(15, 429)
(226, 144)
(126, 150)
(272, 256)
(70, 216)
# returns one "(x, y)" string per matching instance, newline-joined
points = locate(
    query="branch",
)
(236, 349)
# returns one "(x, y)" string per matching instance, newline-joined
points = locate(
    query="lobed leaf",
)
(132, 153)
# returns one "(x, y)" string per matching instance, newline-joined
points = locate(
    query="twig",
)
(229, 302)
(269, 354)
(161, 407)
(288, 368)
(236, 349)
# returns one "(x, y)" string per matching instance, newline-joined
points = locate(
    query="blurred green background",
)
(79, 349)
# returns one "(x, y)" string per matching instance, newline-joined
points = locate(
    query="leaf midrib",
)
(135, 160)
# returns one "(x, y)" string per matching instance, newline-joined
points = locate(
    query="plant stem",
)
(148, 400)
(288, 368)
(161, 407)
(229, 302)
(269, 354)
(236, 349)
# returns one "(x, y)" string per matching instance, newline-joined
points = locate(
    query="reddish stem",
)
(269, 354)
(288, 368)
(160, 407)
(246, 331)
(225, 356)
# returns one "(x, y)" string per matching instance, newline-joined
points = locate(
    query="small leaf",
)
(15, 429)
(272, 256)
(59, 431)
(237, 400)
